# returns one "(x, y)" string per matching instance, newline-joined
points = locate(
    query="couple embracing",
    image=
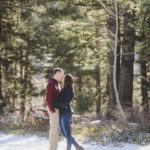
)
(60, 112)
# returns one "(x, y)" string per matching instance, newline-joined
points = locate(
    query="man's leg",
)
(54, 129)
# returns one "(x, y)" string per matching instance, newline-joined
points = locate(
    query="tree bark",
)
(22, 94)
(111, 25)
(79, 82)
(126, 73)
(123, 117)
(144, 86)
(15, 84)
(22, 102)
(1, 93)
(98, 77)
(98, 89)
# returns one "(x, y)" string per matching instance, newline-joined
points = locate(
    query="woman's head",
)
(68, 81)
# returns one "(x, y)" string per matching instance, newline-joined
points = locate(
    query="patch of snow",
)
(97, 122)
(30, 142)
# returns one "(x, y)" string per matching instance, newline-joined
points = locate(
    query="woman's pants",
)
(65, 129)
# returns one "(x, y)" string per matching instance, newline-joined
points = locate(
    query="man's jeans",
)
(65, 129)
(54, 129)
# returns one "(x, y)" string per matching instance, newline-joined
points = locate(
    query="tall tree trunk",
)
(1, 94)
(98, 77)
(98, 89)
(126, 73)
(111, 25)
(15, 84)
(144, 86)
(79, 82)
(22, 93)
(2, 103)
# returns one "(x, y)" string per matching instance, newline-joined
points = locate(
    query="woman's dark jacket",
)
(63, 103)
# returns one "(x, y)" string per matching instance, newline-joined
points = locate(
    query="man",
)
(52, 94)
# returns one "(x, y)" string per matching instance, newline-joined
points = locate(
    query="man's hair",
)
(57, 70)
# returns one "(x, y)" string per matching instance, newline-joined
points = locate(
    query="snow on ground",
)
(30, 142)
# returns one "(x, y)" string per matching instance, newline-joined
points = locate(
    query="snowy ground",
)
(19, 142)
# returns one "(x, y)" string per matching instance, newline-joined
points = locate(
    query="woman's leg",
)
(65, 123)
(66, 130)
(63, 134)
(61, 130)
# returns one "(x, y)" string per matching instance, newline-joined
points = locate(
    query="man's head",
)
(58, 74)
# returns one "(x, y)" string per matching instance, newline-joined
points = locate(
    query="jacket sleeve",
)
(66, 99)
(49, 96)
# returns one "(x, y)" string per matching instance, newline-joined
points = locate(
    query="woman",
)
(65, 98)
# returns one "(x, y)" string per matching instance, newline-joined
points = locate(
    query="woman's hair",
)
(68, 81)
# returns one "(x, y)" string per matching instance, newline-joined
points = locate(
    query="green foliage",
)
(36, 36)
(20, 49)
(19, 129)
(113, 134)
(85, 102)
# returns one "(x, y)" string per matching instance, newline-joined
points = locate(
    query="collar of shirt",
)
(55, 80)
